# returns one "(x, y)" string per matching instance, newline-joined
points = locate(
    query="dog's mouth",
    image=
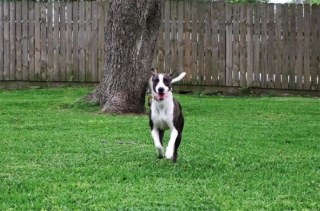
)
(161, 96)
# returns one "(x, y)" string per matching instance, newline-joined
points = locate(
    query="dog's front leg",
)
(170, 147)
(156, 139)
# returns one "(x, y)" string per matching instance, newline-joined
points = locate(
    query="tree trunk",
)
(131, 35)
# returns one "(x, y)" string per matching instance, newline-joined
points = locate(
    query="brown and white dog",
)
(165, 114)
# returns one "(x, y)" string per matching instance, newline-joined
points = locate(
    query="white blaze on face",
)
(161, 85)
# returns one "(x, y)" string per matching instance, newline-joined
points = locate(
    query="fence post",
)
(243, 46)
(1, 40)
(12, 39)
(229, 55)
(222, 44)
(249, 45)
(314, 46)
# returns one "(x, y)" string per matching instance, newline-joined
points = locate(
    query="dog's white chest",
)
(162, 117)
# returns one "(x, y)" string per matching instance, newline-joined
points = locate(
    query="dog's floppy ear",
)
(153, 71)
(171, 73)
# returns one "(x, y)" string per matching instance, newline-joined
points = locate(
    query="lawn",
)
(236, 154)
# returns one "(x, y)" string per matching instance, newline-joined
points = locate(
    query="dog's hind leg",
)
(156, 138)
(161, 134)
(176, 146)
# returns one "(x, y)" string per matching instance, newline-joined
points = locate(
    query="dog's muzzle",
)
(160, 95)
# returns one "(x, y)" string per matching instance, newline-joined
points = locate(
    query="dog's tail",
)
(181, 76)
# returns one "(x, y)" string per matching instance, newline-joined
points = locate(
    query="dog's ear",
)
(171, 73)
(153, 71)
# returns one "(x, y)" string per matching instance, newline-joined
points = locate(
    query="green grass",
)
(236, 154)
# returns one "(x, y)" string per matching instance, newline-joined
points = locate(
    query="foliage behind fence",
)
(261, 45)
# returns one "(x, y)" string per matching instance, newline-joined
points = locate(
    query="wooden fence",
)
(52, 41)
(274, 46)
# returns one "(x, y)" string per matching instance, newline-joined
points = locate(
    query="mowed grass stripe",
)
(236, 154)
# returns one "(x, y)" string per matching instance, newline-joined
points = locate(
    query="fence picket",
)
(12, 41)
(278, 48)
(249, 45)
(1, 41)
(62, 46)
(18, 44)
(317, 7)
(256, 46)
(56, 66)
(69, 63)
(200, 46)
(167, 52)
(306, 54)
(94, 39)
(243, 46)
(222, 44)
(37, 42)
(50, 35)
(31, 42)
(208, 44)
(160, 50)
(6, 43)
(194, 34)
(100, 46)
(271, 47)
(236, 45)
(82, 67)
(187, 59)
(88, 43)
(314, 48)
(229, 58)
(75, 41)
(43, 41)
(264, 45)
(180, 38)
(285, 48)
(173, 36)
(215, 43)
(108, 4)
(299, 43)
(292, 40)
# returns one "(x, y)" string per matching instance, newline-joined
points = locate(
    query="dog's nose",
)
(161, 90)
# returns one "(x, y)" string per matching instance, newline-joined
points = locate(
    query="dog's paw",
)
(169, 154)
(160, 151)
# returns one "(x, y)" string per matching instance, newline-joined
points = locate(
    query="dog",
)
(165, 114)
(150, 85)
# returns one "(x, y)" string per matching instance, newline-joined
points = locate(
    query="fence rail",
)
(273, 46)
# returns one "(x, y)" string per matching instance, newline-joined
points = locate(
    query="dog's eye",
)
(156, 81)
(165, 81)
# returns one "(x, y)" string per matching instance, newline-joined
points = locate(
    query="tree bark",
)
(131, 35)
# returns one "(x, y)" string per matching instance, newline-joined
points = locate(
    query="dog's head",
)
(161, 84)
